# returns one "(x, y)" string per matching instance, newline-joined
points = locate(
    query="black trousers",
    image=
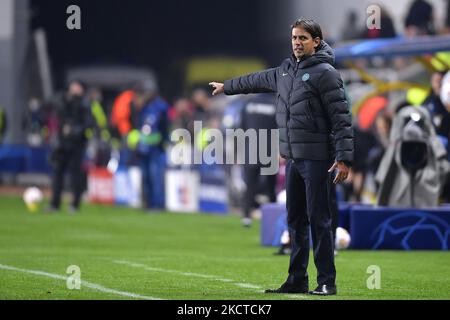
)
(310, 205)
(257, 183)
(67, 160)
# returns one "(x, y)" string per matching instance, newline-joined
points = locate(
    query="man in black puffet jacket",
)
(74, 118)
(316, 137)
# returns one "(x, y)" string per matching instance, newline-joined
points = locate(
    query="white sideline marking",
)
(189, 274)
(248, 285)
(297, 296)
(83, 283)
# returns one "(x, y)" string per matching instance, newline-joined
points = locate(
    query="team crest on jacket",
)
(305, 77)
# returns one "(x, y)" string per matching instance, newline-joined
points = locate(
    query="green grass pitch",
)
(125, 253)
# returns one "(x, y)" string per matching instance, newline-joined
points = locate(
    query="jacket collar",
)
(324, 54)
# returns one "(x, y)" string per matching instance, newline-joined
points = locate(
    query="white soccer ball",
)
(32, 197)
(342, 239)
(445, 91)
(281, 197)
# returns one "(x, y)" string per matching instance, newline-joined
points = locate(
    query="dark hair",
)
(443, 72)
(77, 81)
(145, 86)
(309, 26)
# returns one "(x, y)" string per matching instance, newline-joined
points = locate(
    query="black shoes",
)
(73, 210)
(324, 290)
(246, 222)
(285, 288)
(51, 209)
(284, 250)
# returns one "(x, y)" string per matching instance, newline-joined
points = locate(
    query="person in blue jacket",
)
(148, 138)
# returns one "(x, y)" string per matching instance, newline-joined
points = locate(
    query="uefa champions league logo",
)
(409, 227)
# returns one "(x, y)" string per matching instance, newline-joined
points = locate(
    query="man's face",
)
(303, 43)
(200, 97)
(75, 90)
(139, 100)
(436, 82)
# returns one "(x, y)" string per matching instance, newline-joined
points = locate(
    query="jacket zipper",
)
(310, 115)
(289, 112)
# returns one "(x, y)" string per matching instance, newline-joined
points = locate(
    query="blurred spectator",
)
(414, 168)
(383, 124)
(370, 145)
(446, 29)
(365, 141)
(258, 113)
(74, 118)
(202, 105)
(206, 115)
(440, 117)
(150, 134)
(181, 115)
(351, 30)
(99, 136)
(121, 112)
(35, 123)
(98, 112)
(419, 20)
(3, 124)
(371, 139)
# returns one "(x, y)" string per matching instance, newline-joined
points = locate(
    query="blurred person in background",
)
(181, 115)
(444, 99)
(74, 117)
(315, 127)
(371, 140)
(121, 113)
(446, 28)
(420, 20)
(258, 113)
(364, 141)
(208, 118)
(2, 123)
(351, 30)
(439, 114)
(202, 105)
(381, 131)
(99, 136)
(35, 123)
(148, 139)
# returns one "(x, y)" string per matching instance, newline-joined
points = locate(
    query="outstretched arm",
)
(258, 82)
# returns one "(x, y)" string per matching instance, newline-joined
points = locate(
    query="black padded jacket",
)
(312, 114)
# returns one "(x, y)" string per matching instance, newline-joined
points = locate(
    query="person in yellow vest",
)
(2, 123)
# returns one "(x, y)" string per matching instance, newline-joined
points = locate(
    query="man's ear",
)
(316, 42)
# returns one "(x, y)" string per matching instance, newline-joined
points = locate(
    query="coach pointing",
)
(316, 138)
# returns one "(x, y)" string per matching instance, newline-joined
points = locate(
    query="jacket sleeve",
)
(86, 121)
(333, 97)
(258, 82)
